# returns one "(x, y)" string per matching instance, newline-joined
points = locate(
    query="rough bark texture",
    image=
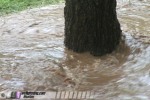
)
(91, 25)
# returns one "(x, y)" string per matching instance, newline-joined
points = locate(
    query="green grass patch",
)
(9, 6)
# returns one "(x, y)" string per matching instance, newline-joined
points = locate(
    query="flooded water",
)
(33, 56)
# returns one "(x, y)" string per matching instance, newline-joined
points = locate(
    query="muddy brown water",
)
(33, 56)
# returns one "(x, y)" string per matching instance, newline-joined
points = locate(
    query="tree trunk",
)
(91, 25)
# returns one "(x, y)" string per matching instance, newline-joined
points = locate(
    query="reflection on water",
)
(33, 57)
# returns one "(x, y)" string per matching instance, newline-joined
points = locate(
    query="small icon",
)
(2, 95)
(18, 95)
(15, 95)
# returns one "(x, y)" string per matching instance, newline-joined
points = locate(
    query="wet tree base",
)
(91, 26)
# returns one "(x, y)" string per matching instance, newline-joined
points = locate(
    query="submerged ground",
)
(33, 56)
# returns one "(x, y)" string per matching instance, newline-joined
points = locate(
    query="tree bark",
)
(91, 25)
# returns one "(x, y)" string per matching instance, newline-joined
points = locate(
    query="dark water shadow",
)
(88, 71)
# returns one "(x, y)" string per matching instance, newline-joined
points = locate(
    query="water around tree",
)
(33, 56)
